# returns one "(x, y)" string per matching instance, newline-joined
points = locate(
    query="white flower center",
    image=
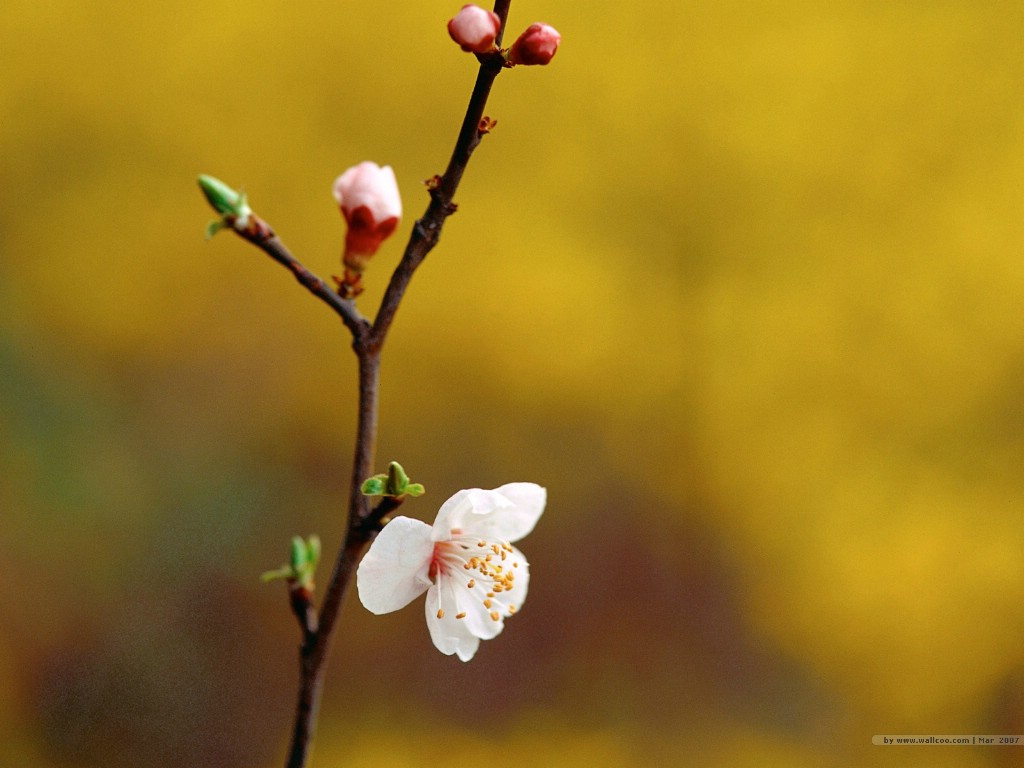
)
(487, 570)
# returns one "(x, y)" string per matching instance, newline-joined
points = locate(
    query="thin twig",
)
(427, 230)
(260, 235)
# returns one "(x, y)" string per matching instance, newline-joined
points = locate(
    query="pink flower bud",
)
(369, 200)
(474, 29)
(537, 45)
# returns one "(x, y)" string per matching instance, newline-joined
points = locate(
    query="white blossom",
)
(473, 576)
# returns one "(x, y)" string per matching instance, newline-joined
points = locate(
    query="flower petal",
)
(370, 186)
(474, 28)
(504, 514)
(395, 570)
(529, 500)
(449, 634)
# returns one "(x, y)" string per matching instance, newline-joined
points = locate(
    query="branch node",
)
(300, 598)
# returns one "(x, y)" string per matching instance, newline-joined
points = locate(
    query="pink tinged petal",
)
(388, 200)
(474, 29)
(369, 200)
(395, 570)
(368, 186)
(449, 634)
(537, 45)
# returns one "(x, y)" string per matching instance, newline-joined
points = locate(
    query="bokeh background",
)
(741, 284)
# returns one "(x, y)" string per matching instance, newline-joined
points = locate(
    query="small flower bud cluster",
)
(476, 29)
(367, 193)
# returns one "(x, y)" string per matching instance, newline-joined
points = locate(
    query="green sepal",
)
(214, 227)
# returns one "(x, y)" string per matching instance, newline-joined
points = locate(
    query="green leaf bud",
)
(313, 551)
(298, 554)
(231, 205)
(374, 486)
(397, 479)
(223, 198)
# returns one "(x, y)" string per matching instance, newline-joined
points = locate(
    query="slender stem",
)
(317, 646)
(362, 467)
(427, 230)
(501, 8)
(313, 662)
(260, 235)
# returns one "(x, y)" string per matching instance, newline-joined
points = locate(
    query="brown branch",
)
(427, 230)
(368, 340)
(318, 630)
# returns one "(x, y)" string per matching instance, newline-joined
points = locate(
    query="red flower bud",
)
(537, 45)
(369, 200)
(475, 29)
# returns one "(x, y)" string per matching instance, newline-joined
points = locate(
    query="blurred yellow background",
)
(740, 284)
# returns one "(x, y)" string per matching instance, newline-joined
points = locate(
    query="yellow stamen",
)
(460, 615)
(440, 613)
